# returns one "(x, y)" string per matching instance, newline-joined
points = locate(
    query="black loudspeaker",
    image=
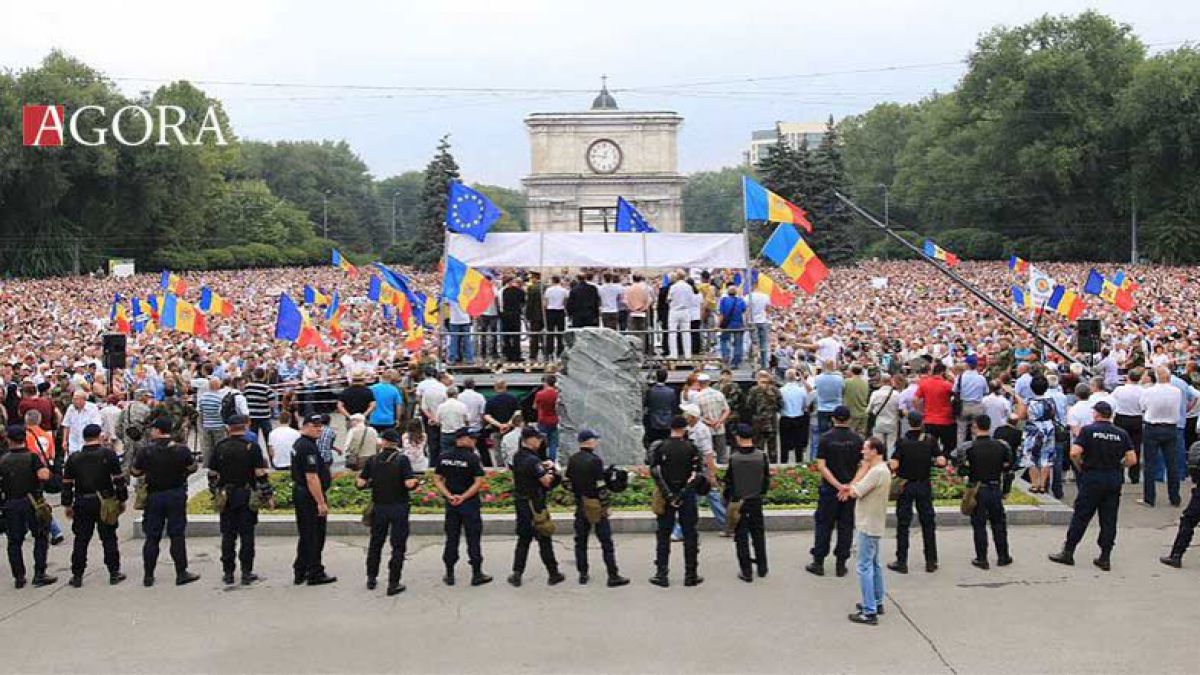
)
(114, 350)
(1087, 335)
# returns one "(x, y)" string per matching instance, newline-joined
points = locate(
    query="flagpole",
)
(945, 270)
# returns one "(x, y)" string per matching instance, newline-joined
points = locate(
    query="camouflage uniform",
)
(762, 405)
(1002, 364)
(182, 413)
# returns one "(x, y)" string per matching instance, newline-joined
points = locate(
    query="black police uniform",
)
(585, 473)
(1188, 520)
(1104, 446)
(915, 454)
(530, 497)
(18, 482)
(675, 460)
(986, 461)
(747, 480)
(386, 474)
(459, 468)
(165, 467)
(233, 468)
(841, 449)
(93, 472)
(306, 459)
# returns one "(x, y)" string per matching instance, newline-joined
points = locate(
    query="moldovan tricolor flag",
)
(212, 303)
(467, 286)
(293, 324)
(760, 203)
(339, 261)
(1067, 303)
(938, 253)
(788, 249)
(767, 285)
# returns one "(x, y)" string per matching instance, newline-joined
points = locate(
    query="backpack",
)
(228, 406)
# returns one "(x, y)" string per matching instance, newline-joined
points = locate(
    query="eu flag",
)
(629, 220)
(470, 212)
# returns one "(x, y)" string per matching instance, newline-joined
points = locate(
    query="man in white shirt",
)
(80, 414)
(462, 347)
(556, 315)
(756, 314)
(700, 434)
(1080, 414)
(281, 441)
(885, 405)
(451, 416)
(475, 403)
(1160, 407)
(430, 394)
(995, 405)
(1127, 409)
(679, 301)
(610, 301)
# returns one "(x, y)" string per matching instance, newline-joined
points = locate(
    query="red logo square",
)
(42, 125)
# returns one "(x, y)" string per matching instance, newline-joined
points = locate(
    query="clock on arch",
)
(604, 156)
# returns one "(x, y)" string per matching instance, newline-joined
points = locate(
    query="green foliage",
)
(1050, 135)
(511, 202)
(712, 201)
(442, 170)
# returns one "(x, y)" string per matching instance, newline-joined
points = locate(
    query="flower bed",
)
(791, 487)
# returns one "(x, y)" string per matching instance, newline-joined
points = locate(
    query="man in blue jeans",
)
(870, 518)
(1161, 411)
(461, 347)
(732, 310)
(756, 313)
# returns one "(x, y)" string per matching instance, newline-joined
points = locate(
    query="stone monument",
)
(600, 387)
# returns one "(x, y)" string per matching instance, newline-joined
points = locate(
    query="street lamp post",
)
(325, 214)
(886, 216)
(394, 195)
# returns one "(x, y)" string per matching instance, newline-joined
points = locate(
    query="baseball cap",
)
(16, 432)
(466, 433)
(703, 377)
(165, 424)
(392, 436)
(317, 418)
(587, 435)
(237, 421)
(678, 422)
(1103, 408)
(972, 360)
(744, 431)
(690, 409)
(841, 413)
(92, 431)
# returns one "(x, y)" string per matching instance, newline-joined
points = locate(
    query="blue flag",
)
(629, 220)
(470, 212)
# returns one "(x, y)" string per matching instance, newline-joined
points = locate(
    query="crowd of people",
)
(888, 365)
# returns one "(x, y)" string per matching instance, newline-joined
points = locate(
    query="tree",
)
(712, 201)
(441, 171)
(403, 192)
(509, 201)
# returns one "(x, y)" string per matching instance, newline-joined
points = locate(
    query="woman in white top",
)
(412, 444)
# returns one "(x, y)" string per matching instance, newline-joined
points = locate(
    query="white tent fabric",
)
(657, 250)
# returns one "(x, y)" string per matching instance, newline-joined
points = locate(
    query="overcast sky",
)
(542, 55)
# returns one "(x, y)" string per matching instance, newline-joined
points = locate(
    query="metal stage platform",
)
(524, 375)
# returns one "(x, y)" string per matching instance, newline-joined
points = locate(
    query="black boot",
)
(615, 580)
(816, 567)
(42, 579)
(745, 575)
(692, 578)
(185, 577)
(514, 580)
(1103, 562)
(478, 578)
(556, 578)
(1063, 557)
(371, 583)
(1172, 560)
(227, 578)
(898, 567)
(583, 578)
(840, 568)
(448, 578)
(115, 578)
(76, 581)
(395, 589)
(660, 578)
(249, 578)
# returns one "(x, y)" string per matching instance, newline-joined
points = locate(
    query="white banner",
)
(657, 250)
(879, 283)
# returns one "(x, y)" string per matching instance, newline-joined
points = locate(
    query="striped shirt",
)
(209, 405)
(259, 398)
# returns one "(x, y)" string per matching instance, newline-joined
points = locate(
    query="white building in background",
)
(793, 133)
(582, 161)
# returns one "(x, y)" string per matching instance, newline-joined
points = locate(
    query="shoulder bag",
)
(956, 404)
(873, 415)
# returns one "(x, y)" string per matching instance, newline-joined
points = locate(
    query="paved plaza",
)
(1032, 617)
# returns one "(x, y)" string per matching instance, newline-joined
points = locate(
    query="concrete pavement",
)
(1032, 617)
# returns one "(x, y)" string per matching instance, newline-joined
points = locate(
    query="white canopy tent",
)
(656, 250)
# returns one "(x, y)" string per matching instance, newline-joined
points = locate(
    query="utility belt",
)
(987, 483)
(1162, 424)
